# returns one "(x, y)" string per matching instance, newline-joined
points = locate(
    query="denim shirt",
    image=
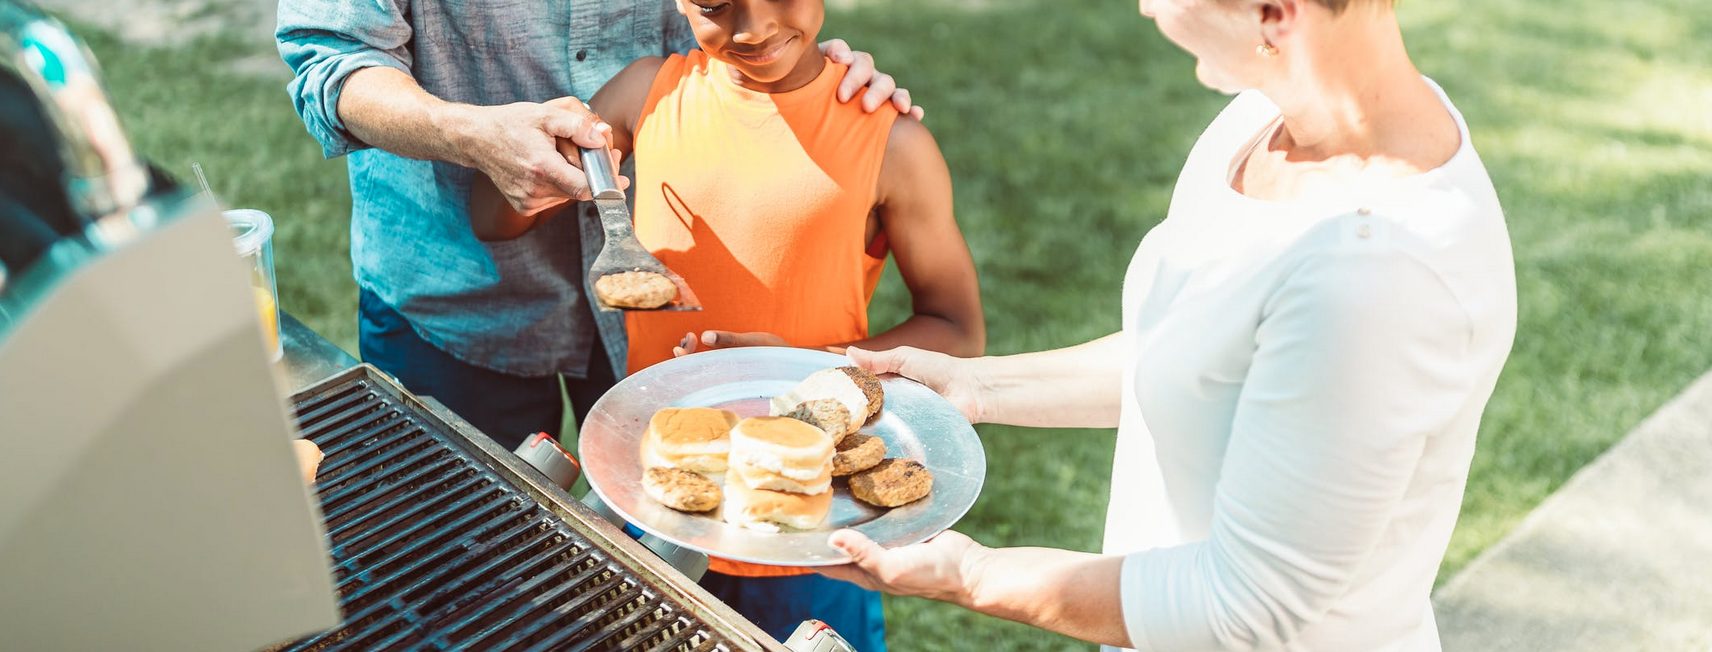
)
(518, 306)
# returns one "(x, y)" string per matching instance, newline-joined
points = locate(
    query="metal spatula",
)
(622, 252)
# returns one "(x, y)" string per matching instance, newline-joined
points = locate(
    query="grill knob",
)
(545, 454)
(816, 636)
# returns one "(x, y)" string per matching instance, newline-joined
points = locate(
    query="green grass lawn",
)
(1065, 130)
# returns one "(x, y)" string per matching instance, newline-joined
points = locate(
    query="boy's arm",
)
(915, 210)
(618, 103)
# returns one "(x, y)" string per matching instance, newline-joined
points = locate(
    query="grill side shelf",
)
(438, 544)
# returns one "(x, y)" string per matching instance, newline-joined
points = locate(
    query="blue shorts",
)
(779, 604)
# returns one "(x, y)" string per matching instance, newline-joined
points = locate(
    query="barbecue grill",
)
(442, 540)
(154, 502)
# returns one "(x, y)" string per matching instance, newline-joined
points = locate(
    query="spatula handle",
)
(602, 178)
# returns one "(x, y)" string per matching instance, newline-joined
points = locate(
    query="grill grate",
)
(434, 550)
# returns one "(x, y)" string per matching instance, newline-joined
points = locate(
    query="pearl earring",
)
(1266, 50)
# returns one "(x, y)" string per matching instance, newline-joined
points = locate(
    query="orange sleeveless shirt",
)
(761, 202)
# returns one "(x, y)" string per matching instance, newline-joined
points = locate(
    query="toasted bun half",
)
(756, 477)
(693, 439)
(784, 446)
(771, 511)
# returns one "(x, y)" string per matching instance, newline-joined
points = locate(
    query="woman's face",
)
(1221, 34)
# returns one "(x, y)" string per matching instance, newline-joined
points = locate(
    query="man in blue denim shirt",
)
(424, 94)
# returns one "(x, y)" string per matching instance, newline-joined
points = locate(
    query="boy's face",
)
(763, 39)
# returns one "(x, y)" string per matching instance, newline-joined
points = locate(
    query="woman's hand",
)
(881, 86)
(709, 340)
(1072, 593)
(939, 569)
(952, 378)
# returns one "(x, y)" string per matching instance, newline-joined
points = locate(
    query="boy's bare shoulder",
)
(909, 133)
(634, 79)
(911, 152)
(645, 68)
(621, 99)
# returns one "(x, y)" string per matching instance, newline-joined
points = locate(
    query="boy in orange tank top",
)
(779, 205)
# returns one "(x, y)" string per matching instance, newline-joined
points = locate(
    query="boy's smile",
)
(764, 55)
(769, 44)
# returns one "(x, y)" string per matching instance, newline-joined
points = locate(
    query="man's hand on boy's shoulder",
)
(862, 73)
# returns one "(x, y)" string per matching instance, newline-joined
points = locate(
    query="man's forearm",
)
(385, 108)
(1076, 594)
(1075, 387)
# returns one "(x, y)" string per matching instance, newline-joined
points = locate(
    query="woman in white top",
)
(1308, 342)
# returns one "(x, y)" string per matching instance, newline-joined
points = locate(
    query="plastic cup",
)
(252, 236)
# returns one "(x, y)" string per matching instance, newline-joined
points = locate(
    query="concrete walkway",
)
(1620, 558)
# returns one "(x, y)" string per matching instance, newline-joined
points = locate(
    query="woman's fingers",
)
(864, 555)
(947, 376)
(880, 362)
(852, 574)
(931, 569)
(862, 550)
(915, 364)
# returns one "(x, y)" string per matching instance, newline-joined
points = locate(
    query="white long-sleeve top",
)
(1304, 383)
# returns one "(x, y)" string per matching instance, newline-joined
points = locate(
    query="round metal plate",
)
(916, 423)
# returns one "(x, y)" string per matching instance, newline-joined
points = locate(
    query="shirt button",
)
(1364, 211)
(1364, 232)
(582, 55)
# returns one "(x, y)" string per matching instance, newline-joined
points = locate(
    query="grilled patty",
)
(857, 453)
(685, 491)
(870, 385)
(892, 482)
(826, 414)
(645, 290)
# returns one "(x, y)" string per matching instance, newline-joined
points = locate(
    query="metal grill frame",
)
(501, 516)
